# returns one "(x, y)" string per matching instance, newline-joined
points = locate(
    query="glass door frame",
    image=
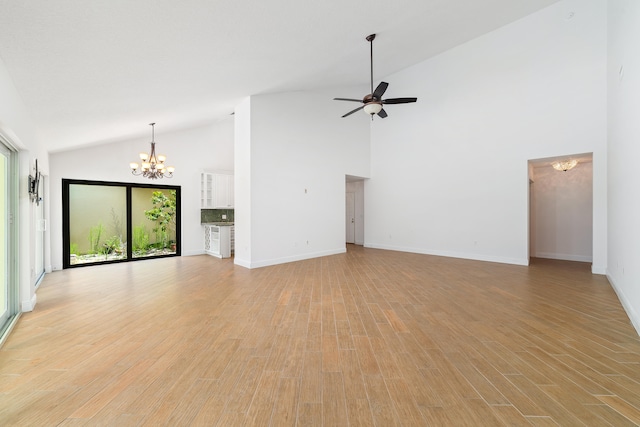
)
(66, 251)
(10, 223)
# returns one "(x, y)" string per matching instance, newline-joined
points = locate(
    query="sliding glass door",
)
(97, 223)
(8, 250)
(153, 216)
(4, 225)
(115, 222)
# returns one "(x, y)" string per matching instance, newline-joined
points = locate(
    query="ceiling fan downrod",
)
(370, 39)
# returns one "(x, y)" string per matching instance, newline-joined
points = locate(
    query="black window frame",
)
(66, 249)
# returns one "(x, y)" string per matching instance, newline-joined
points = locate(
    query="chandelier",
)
(152, 165)
(564, 165)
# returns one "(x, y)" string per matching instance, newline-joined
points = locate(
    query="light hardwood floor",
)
(366, 338)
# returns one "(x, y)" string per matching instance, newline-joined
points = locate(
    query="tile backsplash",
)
(215, 215)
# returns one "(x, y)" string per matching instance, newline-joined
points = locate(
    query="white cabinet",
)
(223, 192)
(206, 191)
(217, 240)
(216, 191)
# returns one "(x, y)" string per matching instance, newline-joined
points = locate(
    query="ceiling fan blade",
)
(347, 99)
(353, 111)
(382, 113)
(399, 100)
(382, 87)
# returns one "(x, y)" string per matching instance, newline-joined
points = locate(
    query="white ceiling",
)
(99, 71)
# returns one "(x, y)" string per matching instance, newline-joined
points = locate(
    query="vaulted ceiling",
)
(99, 71)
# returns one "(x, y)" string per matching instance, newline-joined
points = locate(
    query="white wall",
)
(300, 151)
(190, 151)
(449, 174)
(242, 183)
(623, 268)
(17, 127)
(562, 213)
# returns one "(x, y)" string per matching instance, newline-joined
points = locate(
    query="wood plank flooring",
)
(366, 338)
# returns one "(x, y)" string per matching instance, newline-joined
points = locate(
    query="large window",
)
(113, 222)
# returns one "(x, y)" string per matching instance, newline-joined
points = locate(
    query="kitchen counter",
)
(219, 224)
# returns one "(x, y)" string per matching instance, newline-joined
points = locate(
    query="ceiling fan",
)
(373, 102)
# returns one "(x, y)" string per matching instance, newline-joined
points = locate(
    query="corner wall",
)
(299, 151)
(450, 173)
(623, 269)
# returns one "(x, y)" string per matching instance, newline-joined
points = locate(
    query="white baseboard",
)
(284, 260)
(29, 305)
(628, 307)
(462, 255)
(564, 257)
(192, 253)
(242, 262)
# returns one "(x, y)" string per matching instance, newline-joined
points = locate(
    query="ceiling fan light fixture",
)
(372, 108)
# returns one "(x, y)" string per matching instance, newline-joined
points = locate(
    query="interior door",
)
(350, 218)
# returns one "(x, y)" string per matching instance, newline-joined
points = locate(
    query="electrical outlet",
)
(224, 216)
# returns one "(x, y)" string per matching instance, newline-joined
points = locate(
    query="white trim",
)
(475, 257)
(193, 253)
(284, 260)
(628, 307)
(242, 262)
(564, 257)
(29, 305)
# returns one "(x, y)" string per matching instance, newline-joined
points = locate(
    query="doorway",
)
(561, 209)
(354, 210)
(350, 204)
